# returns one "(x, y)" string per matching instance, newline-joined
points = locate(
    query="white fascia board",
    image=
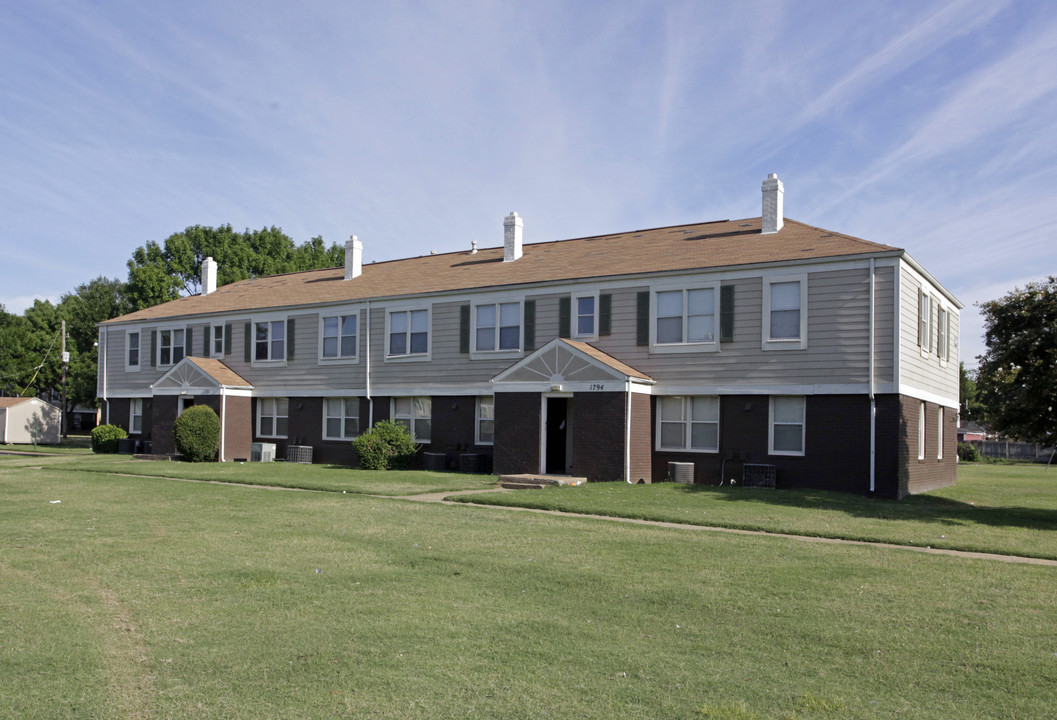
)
(804, 389)
(928, 396)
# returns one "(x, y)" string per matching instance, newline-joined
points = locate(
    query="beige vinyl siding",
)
(925, 372)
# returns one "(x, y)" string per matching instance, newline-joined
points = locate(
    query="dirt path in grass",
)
(442, 498)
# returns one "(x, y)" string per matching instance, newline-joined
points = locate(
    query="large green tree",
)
(972, 407)
(1018, 373)
(159, 273)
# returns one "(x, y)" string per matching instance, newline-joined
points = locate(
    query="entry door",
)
(558, 454)
(185, 402)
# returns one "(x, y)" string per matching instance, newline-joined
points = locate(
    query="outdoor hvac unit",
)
(681, 472)
(299, 454)
(262, 452)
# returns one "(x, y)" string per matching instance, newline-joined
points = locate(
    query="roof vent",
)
(512, 226)
(209, 276)
(773, 194)
(353, 258)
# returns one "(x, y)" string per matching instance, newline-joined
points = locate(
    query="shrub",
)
(386, 446)
(105, 437)
(968, 452)
(197, 434)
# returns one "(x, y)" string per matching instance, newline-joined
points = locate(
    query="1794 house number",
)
(598, 386)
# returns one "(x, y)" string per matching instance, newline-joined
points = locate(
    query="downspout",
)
(873, 400)
(627, 434)
(367, 370)
(223, 421)
(106, 351)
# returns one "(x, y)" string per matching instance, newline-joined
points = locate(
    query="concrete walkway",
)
(442, 498)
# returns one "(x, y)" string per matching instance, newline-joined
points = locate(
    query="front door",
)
(558, 459)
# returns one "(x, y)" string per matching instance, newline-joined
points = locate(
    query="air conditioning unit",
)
(262, 452)
(681, 472)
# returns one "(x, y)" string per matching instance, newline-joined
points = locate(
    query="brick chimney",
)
(353, 258)
(512, 225)
(773, 193)
(209, 276)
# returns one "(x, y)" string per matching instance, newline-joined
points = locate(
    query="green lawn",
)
(1005, 509)
(146, 597)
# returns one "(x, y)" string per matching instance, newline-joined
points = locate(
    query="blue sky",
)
(418, 126)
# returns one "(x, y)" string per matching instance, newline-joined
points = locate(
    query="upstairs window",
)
(785, 313)
(270, 341)
(408, 332)
(943, 334)
(584, 322)
(340, 336)
(685, 316)
(497, 326)
(217, 341)
(170, 347)
(133, 350)
(924, 321)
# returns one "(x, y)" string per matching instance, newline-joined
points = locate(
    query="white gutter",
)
(367, 370)
(106, 351)
(873, 400)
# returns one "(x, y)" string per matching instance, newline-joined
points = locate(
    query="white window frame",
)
(273, 405)
(773, 343)
(943, 334)
(771, 426)
(346, 402)
(939, 434)
(497, 328)
(483, 402)
(340, 315)
(134, 405)
(921, 430)
(213, 340)
(130, 367)
(575, 315)
(925, 327)
(408, 356)
(269, 323)
(171, 346)
(685, 346)
(687, 420)
(413, 417)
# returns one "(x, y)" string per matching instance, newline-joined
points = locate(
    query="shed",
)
(29, 421)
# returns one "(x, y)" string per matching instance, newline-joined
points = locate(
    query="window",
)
(497, 327)
(689, 423)
(939, 434)
(787, 425)
(341, 418)
(170, 347)
(785, 313)
(943, 334)
(270, 340)
(584, 322)
(133, 350)
(924, 321)
(485, 419)
(414, 414)
(408, 332)
(339, 337)
(685, 316)
(217, 341)
(135, 419)
(921, 431)
(272, 417)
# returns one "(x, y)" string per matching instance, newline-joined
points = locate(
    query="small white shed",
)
(29, 421)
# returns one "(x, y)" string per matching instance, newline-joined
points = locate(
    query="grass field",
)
(149, 597)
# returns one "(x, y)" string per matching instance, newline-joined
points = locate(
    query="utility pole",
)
(65, 360)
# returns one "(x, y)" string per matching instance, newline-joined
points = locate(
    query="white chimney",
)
(773, 194)
(209, 276)
(353, 258)
(512, 225)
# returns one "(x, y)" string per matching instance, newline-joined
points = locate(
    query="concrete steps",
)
(537, 482)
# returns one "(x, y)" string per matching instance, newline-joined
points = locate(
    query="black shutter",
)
(249, 342)
(290, 339)
(726, 313)
(153, 347)
(206, 350)
(464, 329)
(530, 324)
(564, 320)
(227, 339)
(642, 319)
(605, 314)
(188, 343)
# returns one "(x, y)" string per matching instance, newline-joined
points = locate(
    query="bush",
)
(105, 437)
(386, 446)
(197, 434)
(968, 452)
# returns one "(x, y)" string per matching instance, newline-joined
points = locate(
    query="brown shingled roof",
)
(607, 359)
(220, 372)
(683, 247)
(12, 401)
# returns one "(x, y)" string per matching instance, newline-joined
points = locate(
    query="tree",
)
(1018, 373)
(159, 273)
(90, 304)
(972, 408)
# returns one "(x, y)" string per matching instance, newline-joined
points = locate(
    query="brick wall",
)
(238, 428)
(599, 425)
(641, 468)
(517, 433)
